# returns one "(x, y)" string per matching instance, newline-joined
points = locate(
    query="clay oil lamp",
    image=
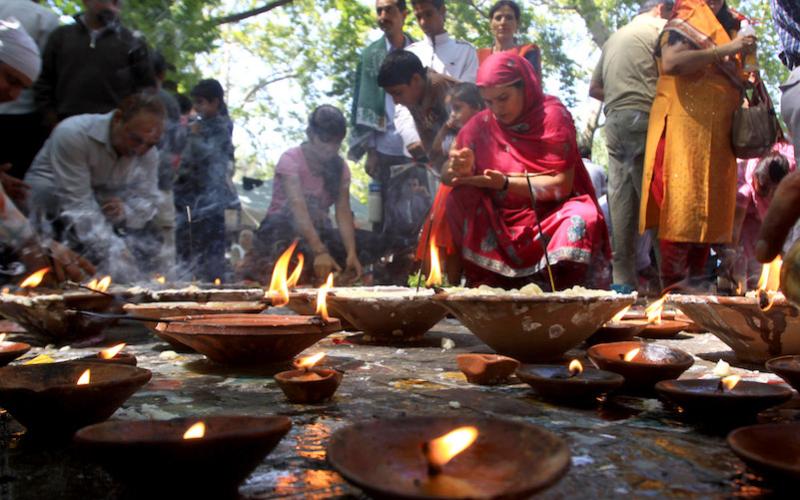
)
(619, 329)
(55, 314)
(787, 368)
(183, 458)
(726, 399)
(641, 364)
(486, 369)
(659, 328)
(440, 457)
(9, 351)
(113, 354)
(309, 384)
(759, 326)
(770, 449)
(570, 384)
(252, 339)
(59, 398)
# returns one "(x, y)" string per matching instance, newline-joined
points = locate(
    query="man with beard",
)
(91, 65)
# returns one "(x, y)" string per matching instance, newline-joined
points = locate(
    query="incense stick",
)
(541, 234)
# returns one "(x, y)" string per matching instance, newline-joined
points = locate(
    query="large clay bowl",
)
(388, 313)
(754, 335)
(9, 351)
(701, 398)
(152, 456)
(653, 363)
(787, 368)
(55, 316)
(508, 460)
(248, 339)
(771, 449)
(46, 400)
(533, 328)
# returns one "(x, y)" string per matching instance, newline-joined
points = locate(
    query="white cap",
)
(18, 50)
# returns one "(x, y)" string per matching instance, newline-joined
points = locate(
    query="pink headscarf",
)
(542, 139)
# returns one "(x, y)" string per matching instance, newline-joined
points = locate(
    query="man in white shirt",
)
(98, 176)
(439, 52)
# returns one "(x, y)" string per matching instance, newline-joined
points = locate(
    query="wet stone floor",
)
(627, 447)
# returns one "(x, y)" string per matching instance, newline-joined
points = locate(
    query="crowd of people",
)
(108, 168)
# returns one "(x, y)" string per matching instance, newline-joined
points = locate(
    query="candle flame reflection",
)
(85, 378)
(112, 351)
(34, 279)
(197, 431)
(631, 355)
(575, 368)
(439, 451)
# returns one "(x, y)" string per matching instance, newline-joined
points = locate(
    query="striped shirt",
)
(786, 14)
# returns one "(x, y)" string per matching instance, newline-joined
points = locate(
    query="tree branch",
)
(266, 82)
(235, 18)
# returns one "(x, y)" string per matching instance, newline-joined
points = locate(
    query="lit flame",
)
(575, 368)
(100, 285)
(730, 382)
(6, 289)
(218, 282)
(278, 288)
(112, 351)
(85, 378)
(34, 279)
(769, 282)
(654, 310)
(435, 275)
(441, 450)
(322, 298)
(197, 431)
(2, 337)
(631, 355)
(309, 361)
(160, 279)
(620, 315)
(294, 278)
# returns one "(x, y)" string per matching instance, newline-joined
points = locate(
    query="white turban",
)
(18, 50)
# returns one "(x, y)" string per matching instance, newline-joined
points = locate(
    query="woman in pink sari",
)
(519, 153)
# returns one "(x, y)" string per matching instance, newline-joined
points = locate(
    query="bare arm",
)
(596, 85)
(682, 58)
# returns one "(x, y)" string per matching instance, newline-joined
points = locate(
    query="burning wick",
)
(620, 315)
(655, 310)
(309, 361)
(294, 278)
(99, 285)
(728, 383)
(2, 337)
(575, 368)
(197, 431)
(438, 452)
(161, 279)
(278, 286)
(112, 351)
(630, 355)
(85, 378)
(34, 279)
(217, 282)
(768, 284)
(322, 296)
(435, 274)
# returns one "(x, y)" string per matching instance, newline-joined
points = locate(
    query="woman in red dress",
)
(519, 153)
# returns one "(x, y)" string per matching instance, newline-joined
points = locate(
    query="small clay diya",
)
(486, 369)
(183, 458)
(57, 398)
(711, 400)
(617, 331)
(787, 368)
(664, 329)
(643, 368)
(387, 314)
(249, 339)
(570, 384)
(404, 458)
(112, 355)
(771, 449)
(9, 351)
(533, 327)
(310, 386)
